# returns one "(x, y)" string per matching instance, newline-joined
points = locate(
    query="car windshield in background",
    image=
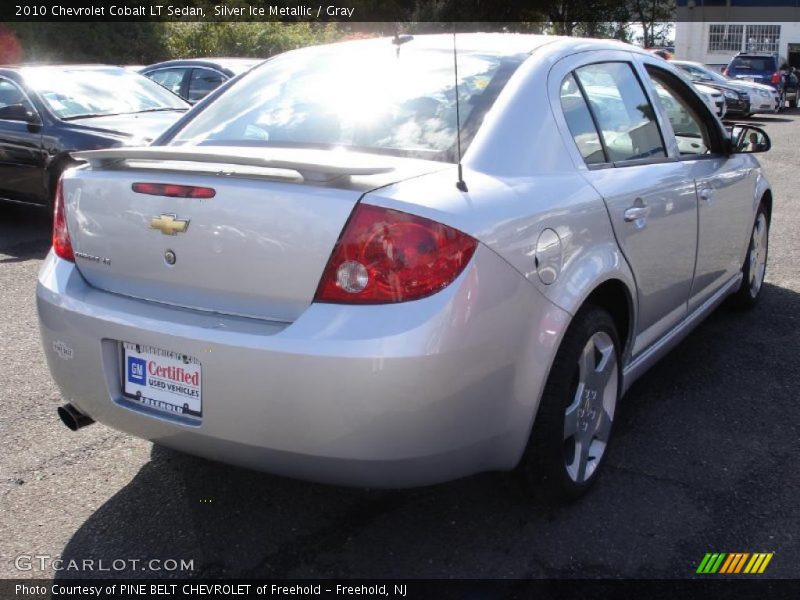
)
(75, 93)
(753, 63)
(377, 98)
(698, 73)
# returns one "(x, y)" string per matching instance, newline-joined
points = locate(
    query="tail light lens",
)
(386, 256)
(776, 77)
(62, 244)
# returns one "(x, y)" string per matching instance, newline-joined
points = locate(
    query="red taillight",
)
(776, 77)
(384, 256)
(174, 191)
(62, 244)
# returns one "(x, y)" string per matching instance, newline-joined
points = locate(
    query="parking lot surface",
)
(705, 459)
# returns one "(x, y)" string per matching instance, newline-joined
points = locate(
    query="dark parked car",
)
(737, 97)
(48, 111)
(766, 68)
(193, 78)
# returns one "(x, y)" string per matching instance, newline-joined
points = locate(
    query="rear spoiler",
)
(312, 165)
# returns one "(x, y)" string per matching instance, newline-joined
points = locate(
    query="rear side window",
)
(624, 115)
(580, 123)
(11, 95)
(172, 79)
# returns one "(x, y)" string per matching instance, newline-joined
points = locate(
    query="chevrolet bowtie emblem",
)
(169, 224)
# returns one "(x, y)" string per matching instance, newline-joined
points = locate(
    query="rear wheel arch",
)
(567, 442)
(614, 296)
(766, 202)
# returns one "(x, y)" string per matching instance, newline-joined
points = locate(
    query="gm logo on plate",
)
(136, 370)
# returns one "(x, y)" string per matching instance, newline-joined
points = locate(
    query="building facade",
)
(712, 31)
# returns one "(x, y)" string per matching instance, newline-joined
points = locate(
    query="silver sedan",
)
(355, 266)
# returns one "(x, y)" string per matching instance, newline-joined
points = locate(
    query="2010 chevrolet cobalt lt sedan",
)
(302, 277)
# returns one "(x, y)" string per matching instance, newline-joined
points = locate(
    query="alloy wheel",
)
(758, 255)
(590, 415)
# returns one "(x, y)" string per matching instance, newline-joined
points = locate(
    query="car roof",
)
(233, 64)
(493, 43)
(496, 43)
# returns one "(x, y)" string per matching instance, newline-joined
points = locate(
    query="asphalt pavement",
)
(705, 459)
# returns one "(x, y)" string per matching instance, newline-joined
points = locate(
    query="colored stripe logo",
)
(734, 563)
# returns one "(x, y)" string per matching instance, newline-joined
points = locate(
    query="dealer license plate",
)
(166, 381)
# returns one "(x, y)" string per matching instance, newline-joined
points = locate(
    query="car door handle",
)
(634, 213)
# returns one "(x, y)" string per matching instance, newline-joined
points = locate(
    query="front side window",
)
(580, 123)
(623, 113)
(690, 127)
(202, 82)
(376, 97)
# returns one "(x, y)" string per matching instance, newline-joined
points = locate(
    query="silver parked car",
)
(763, 98)
(300, 277)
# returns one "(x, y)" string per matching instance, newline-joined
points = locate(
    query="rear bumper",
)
(381, 396)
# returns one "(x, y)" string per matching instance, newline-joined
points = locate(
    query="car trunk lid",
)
(256, 248)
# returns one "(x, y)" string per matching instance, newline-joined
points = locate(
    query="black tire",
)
(543, 468)
(748, 294)
(793, 102)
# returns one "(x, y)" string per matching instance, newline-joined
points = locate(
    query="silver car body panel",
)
(409, 393)
(363, 395)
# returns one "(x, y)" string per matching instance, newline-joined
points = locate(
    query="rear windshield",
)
(753, 63)
(373, 97)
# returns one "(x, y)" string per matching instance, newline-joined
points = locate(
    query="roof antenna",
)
(460, 184)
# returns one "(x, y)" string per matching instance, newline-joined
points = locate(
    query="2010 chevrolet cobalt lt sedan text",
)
(301, 277)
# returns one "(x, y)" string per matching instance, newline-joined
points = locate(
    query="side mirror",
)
(749, 139)
(18, 112)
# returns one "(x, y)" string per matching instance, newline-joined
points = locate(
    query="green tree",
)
(654, 16)
(251, 39)
(112, 42)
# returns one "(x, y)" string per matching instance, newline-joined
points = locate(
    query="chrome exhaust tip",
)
(73, 418)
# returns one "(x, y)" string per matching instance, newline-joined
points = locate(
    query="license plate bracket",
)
(167, 382)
